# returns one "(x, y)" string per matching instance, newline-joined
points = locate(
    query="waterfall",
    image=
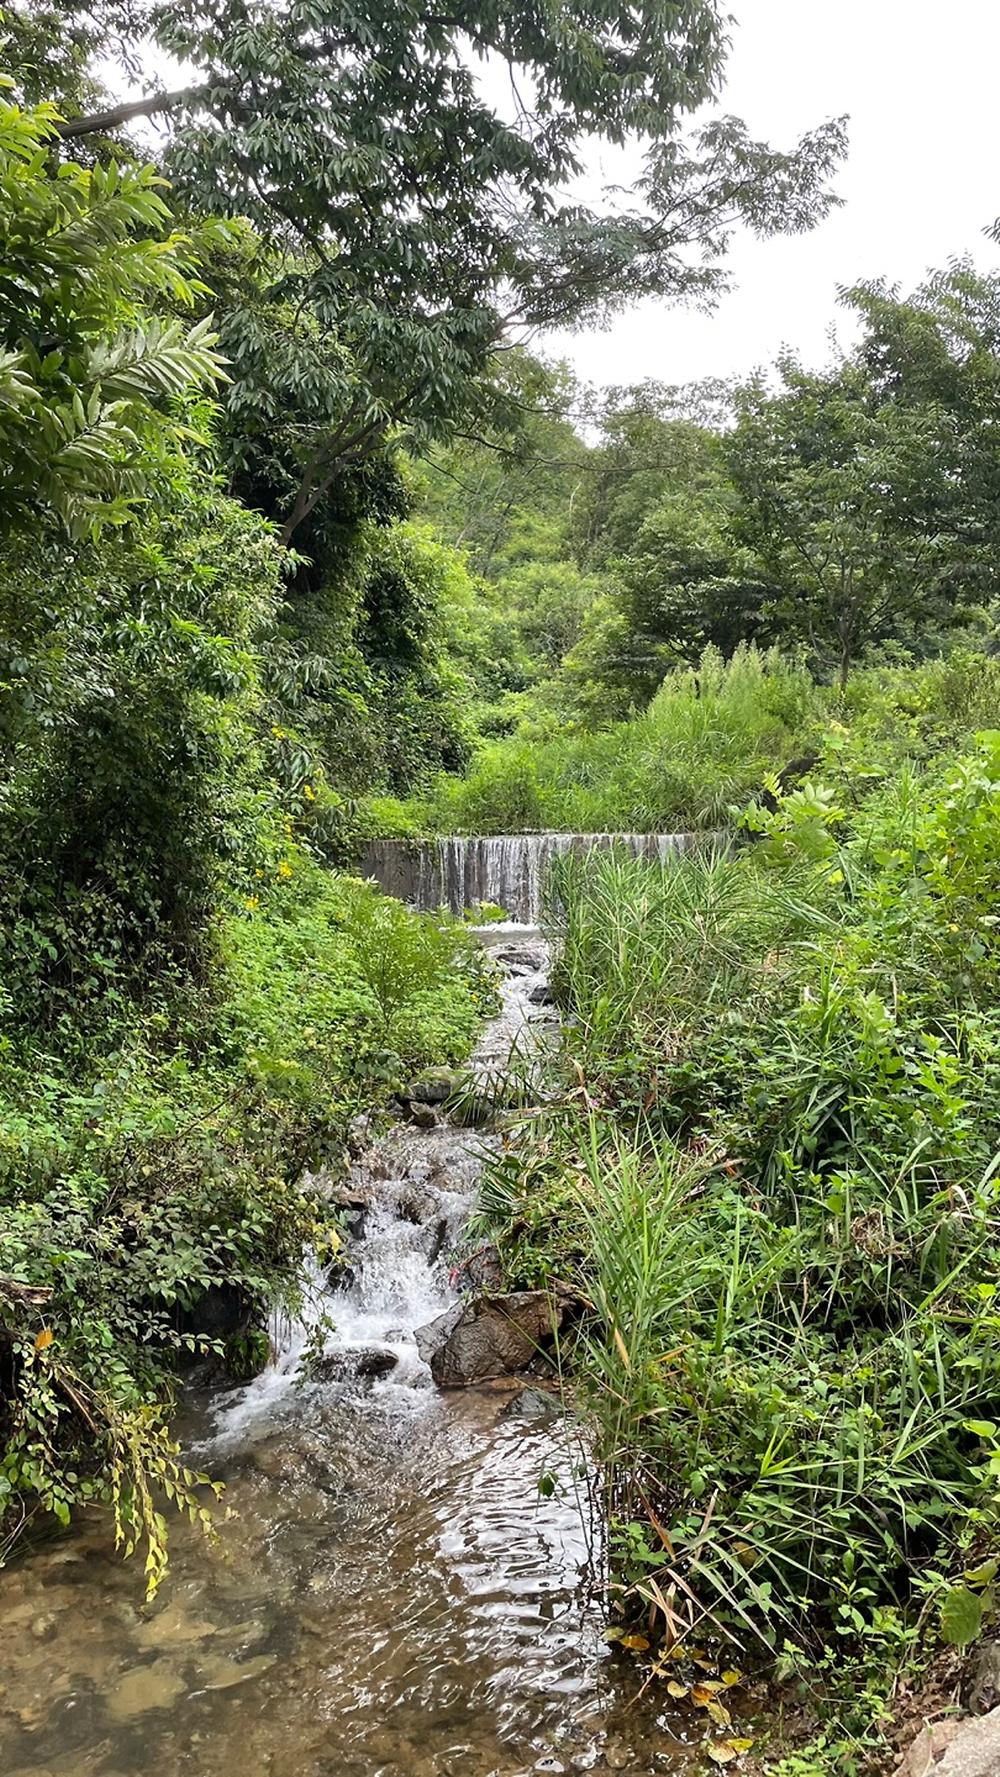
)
(507, 869)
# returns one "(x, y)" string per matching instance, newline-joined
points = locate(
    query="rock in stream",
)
(488, 1336)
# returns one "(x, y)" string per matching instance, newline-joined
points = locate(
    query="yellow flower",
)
(284, 868)
(308, 792)
(251, 902)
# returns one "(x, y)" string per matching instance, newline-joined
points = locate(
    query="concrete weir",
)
(507, 869)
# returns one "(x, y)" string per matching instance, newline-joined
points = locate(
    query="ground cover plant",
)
(773, 1180)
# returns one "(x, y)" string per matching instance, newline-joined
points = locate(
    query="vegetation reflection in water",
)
(391, 1595)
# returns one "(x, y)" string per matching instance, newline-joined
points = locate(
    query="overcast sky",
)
(921, 182)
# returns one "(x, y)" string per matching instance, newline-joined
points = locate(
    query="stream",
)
(391, 1595)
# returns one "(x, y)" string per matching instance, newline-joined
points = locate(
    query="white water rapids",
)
(418, 1187)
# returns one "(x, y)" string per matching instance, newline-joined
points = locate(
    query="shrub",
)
(135, 1188)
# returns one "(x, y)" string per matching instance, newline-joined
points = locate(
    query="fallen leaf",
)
(719, 1713)
(722, 1752)
(731, 1678)
(44, 1339)
(703, 1693)
(741, 1745)
(676, 1690)
(615, 1633)
(637, 1643)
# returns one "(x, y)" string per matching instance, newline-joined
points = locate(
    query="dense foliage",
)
(149, 1178)
(848, 516)
(202, 362)
(772, 1180)
(299, 546)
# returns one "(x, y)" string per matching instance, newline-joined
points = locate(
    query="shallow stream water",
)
(391, 1596)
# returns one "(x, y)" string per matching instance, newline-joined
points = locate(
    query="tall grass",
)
(761, 1470)
(709, 741)
(706, 741)
(774, 1180)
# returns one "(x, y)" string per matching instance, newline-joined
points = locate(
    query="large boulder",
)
(963, 1748)
(488, 1336)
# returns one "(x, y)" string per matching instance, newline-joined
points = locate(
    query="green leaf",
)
(961, 1616)
(983, 1574)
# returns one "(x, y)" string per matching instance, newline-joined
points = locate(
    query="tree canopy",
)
(408, 216)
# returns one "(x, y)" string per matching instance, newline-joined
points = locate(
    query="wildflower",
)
(284, 868)
(308, 792)
(252, 901)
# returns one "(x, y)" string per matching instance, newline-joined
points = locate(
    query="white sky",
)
(921, 182)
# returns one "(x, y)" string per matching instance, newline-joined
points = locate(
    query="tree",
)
(688, 584)
(939, 349)
(841, 499)
(656, 440)
(133, 595)
(505, 484)
(408, 223)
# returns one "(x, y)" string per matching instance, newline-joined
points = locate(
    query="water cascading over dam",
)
(507, 870)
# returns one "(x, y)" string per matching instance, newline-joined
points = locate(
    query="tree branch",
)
(101, 122)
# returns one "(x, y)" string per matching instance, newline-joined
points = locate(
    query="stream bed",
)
(391, 1594)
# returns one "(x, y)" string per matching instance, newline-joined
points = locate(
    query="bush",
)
(131, 784)
(712, 739)
(708, 739)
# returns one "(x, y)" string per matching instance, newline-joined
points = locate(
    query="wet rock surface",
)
(532, 1404)
(346, 1366)
(489, 1336)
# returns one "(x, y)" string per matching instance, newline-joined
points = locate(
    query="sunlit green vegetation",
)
(226, 630)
